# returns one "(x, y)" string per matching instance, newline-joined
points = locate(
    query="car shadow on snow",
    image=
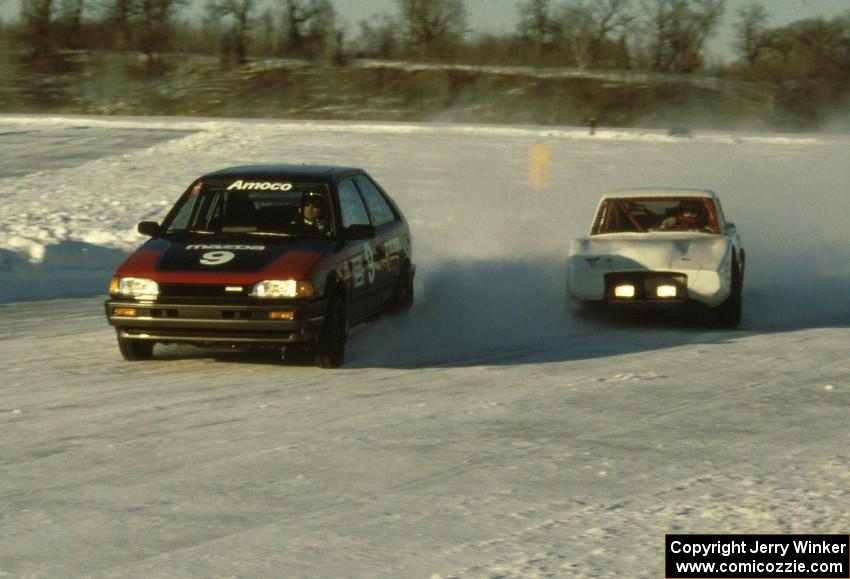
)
(504, 312)
(501, 312)
(511, 312)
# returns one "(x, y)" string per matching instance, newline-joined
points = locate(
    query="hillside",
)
(197, 85)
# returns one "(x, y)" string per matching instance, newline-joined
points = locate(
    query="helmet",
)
(313, 198)
(691, 211)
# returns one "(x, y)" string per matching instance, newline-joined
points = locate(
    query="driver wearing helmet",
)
(313, 212)
(689, 215)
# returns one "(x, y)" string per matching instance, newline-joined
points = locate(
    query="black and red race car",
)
(265, 256)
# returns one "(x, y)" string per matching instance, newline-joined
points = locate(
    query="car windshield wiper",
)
(268, 233)
(186, 232)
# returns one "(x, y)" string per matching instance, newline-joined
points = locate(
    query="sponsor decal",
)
(357, 273)
(353, 270)
(393, 245)
(393, 251)
(259, 186)
(217, 257)
(369, 258)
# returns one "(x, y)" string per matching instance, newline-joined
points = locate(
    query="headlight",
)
(136, 287)
(282, 288)
(625, 290)
(666, 291)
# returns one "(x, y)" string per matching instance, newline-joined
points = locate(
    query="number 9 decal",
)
(217, 257)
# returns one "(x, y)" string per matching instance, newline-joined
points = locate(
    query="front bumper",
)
(707, 288)
(220, 323)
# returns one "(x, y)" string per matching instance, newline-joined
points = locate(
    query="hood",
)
(224, 261)
(654, 251)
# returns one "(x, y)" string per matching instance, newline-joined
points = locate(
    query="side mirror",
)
(355, 232)
(149, 228)
(729, 228)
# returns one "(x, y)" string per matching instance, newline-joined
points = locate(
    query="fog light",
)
(666, 291)
(624, 291)
(284, 315)
(125, 312)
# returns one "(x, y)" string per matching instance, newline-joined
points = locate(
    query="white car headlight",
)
(625, 290)
(282, 288)
(136, 287)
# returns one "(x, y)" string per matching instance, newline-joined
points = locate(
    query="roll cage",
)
(645, 214)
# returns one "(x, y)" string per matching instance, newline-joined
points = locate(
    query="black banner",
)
(757, 556)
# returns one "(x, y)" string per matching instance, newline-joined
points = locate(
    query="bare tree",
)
(154, 20)
(268, 33)
(325, 37)
(750, 31)
(537, 25)
(37, 18)
(240, 12)
(144, 25)
(678, 30)
(118, 19)
(309, 29)
(379, 37)
(432, 27)
(71, 22)
(296, 15)
(590, 23)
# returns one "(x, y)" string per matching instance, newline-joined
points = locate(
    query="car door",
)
(387, 242)
(360, 269)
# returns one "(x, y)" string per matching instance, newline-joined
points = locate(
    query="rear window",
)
(640, 215)
(270, 207)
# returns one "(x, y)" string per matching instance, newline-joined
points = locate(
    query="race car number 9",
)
(217, 257)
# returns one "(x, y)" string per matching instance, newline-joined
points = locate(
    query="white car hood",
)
(651, 251)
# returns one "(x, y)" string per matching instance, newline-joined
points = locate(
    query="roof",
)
(320, 173)
(660, 192)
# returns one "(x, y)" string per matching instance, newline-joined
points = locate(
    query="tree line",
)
(807, 62)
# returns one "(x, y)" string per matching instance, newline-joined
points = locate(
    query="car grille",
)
(179, 290)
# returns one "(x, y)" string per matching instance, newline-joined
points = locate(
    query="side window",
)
(351, 206)
(198, 211)
(379, 209)
(181, 220)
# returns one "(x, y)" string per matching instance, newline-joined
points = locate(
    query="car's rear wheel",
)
(402, 298)
(330, 345)
(135, 350)
(728, 314)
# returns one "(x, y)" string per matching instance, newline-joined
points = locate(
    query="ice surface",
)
(488, 433)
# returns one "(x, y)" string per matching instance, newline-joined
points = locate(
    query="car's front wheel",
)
(330, 345)
(135, 350)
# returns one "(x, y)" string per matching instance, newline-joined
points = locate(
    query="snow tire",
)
(135, 350)
(330, 345)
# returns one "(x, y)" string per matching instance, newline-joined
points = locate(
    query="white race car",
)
(660, 248)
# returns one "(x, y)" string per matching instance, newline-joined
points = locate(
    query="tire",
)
(728, 314)
(135, 350)
(330, 345)
(402, 298)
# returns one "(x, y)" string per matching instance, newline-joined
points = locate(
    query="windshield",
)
(273, 208)
(623, 215)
